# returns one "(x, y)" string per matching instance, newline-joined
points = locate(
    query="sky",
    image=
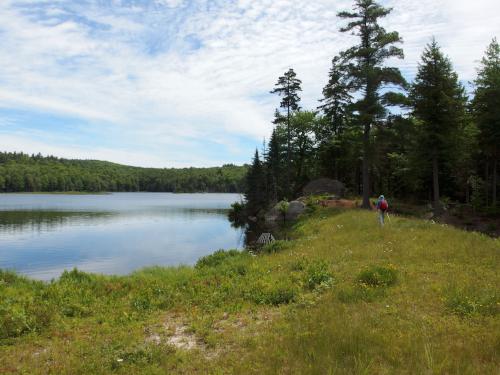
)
(179, 83)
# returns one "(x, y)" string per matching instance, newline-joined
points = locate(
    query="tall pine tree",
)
(439, 104)
(486, 106)
(336, 97)
(288, 87)
(336, 106)
(368, 73)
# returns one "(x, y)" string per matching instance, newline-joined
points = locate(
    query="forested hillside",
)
(21, 172)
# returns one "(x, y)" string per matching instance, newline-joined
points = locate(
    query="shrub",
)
(217, 258)
(8, 277)
(18, 316)
(469, 302)
(378, 276)
(275, 246)
(75, 276)
(272, 292)
(317, 273)
(299, 264)
(280, 295)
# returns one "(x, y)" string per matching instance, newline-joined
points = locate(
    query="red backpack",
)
(384, 205)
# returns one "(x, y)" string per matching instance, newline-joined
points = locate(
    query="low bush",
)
(472, 301)
(275, 247)
(272, 292)
(216, 258)
(378, 276)
(317, 273)
(23, 315)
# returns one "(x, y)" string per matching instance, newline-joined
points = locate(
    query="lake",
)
(41, 235)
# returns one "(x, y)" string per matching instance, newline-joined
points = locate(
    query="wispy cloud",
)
(167, 77)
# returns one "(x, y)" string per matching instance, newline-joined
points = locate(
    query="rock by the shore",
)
(324, 186)
(295, 208)
(273, 215)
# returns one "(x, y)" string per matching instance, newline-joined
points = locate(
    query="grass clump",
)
(376, 276)
(471, 301)
(275, 247)
(217, 258)
(318, 274)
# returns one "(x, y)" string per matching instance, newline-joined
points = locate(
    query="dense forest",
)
(426, 141)
(21, 172)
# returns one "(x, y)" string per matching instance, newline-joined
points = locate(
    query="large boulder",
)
(273, 215)
(295, 209)
(324, 186)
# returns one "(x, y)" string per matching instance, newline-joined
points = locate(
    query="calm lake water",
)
(41, 235)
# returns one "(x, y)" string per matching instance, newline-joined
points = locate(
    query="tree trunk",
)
(435, 186)
(287, 189)
(487, 182)
(494, 191)
(366, 168)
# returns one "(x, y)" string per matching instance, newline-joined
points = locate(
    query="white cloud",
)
(174, 71)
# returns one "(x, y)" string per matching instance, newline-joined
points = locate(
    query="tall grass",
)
(343, 296)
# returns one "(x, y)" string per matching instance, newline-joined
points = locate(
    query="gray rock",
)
(295, 209)
(273, 215)
(324, 186)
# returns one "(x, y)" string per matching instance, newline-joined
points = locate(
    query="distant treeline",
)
(21, 172)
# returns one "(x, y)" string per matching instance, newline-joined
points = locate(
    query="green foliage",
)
(477, 198)
(217, 258)
(23, 173)
(317, 274)
(267, 292)
(438, 101)
(263, 313)
(275, 247)
(256, 193)
(471, 301)
(378, 276)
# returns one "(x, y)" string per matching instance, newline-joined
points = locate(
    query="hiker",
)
(382, 207)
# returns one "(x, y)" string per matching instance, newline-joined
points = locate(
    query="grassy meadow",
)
(342, 296)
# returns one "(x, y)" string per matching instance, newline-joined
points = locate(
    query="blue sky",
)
(175, 83)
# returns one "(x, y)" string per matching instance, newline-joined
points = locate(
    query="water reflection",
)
(114, 235)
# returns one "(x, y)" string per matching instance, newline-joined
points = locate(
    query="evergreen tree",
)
(275, 162)
(302, 126)
(367, 73)
(486, 106)
(255, 194)
(336, 106)
(288, 87)
(439, 104)
(336, 98)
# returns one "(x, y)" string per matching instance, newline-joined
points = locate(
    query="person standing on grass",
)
(382, 207)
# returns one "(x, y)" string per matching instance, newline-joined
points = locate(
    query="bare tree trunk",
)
(435, 186)
(366, 168)
(494, 191)
(487, 182)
